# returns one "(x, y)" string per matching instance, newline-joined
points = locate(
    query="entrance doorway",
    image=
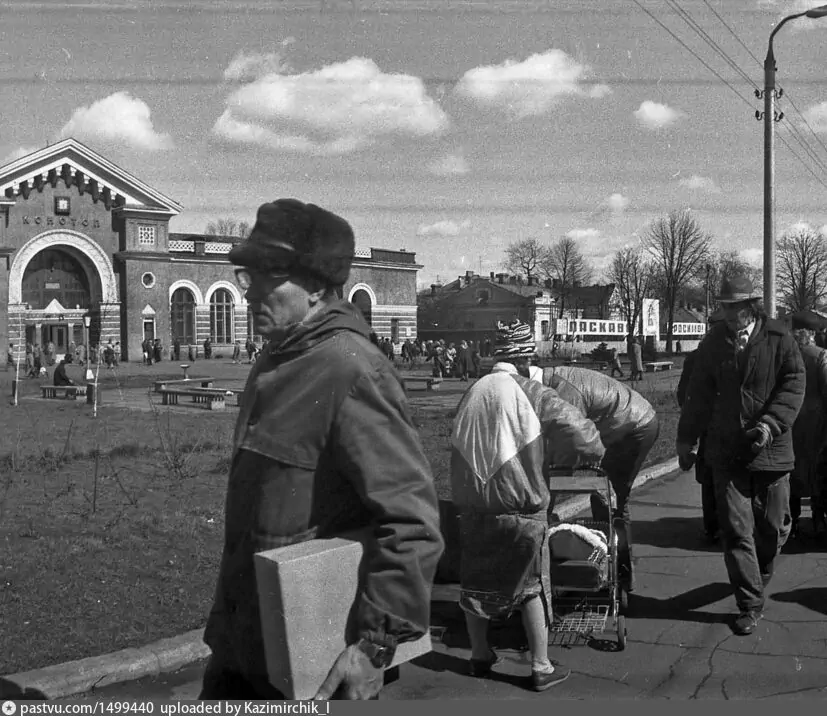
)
(57, 333)
(149, 329)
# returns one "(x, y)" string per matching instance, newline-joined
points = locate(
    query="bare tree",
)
(227, 226)
(801, 256)
(566, 264)
(526, 256)
(719, 266)
(631, 274)
(680, 251)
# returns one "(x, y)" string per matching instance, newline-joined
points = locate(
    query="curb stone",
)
(76, 677)
(166, 655)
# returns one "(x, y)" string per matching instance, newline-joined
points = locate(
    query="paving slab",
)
(680, 645)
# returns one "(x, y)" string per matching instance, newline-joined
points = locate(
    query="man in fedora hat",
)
(703, 470)
(810, 429)
(745, 392)
(324, 444)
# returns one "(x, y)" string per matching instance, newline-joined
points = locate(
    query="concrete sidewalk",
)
(680, 644)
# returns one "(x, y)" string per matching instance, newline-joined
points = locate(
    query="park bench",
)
(427, 383)
(654, 366)
(160, 385)
(69, 392)
(589, 362)
(215, 397)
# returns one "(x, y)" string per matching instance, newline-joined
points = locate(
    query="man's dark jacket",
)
(729, 393)
(324, 444)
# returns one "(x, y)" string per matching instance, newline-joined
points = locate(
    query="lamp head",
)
(87, 321)
(816, 12)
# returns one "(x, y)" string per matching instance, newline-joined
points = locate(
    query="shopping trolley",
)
(587, 598)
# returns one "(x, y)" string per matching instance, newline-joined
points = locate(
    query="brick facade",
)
(108, 235)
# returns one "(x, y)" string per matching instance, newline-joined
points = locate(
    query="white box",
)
(306, 592)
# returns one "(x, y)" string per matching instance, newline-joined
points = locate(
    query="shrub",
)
(601, 353)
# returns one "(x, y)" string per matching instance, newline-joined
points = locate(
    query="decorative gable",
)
(78, 165)
(54, 307)
(148, 311)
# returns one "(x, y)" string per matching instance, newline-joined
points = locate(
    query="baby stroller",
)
(586, 593)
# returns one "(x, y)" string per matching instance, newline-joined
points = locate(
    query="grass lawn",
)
(111, 527)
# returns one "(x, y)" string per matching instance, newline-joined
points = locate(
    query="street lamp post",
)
(770, 119)
(87, 321)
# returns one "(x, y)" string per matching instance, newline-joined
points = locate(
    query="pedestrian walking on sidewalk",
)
(507, 431)
(745, 392)
(628, 426)
(703, 470)
(324, 445)
(810, 429)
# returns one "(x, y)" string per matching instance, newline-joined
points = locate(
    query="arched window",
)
(361, 299)
(221, 316)
(182, 316)
(55, 274)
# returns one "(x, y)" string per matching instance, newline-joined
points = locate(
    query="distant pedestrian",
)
(237, 352)
(193, 353)
(616, 366)
(636, 354)
(207, 349)
(157, 350)
(117, 350)
(251, 349)
(176, 349)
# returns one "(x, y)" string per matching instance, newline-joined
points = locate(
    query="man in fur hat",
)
(507, 431)
(745, 392)
(324, 445)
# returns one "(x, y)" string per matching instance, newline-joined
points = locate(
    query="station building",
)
(84, 242)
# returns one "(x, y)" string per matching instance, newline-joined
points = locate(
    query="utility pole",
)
(706, 298)
(770, 117)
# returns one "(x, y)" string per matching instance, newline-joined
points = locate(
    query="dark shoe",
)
(746, 622)
(480, 668)
(541, 681)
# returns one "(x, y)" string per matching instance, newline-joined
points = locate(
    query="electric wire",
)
(696, 27)
(693, 53)
(793, 130)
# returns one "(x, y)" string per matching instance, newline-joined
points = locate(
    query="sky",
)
(451, 128)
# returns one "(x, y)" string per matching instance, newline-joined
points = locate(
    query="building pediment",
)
(54, 307)
(76, 163)
(148, 311)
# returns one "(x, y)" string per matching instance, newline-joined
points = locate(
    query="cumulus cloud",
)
(117, 118)
(800, 226)
(617, 203)
(16, 154)
(338, 109)
(699, 183)
(754, 257)
(530, 87)
(581, 234)
(816, 116)
(247, 67)
(449, 164)
(653, 115)
(444, 228)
